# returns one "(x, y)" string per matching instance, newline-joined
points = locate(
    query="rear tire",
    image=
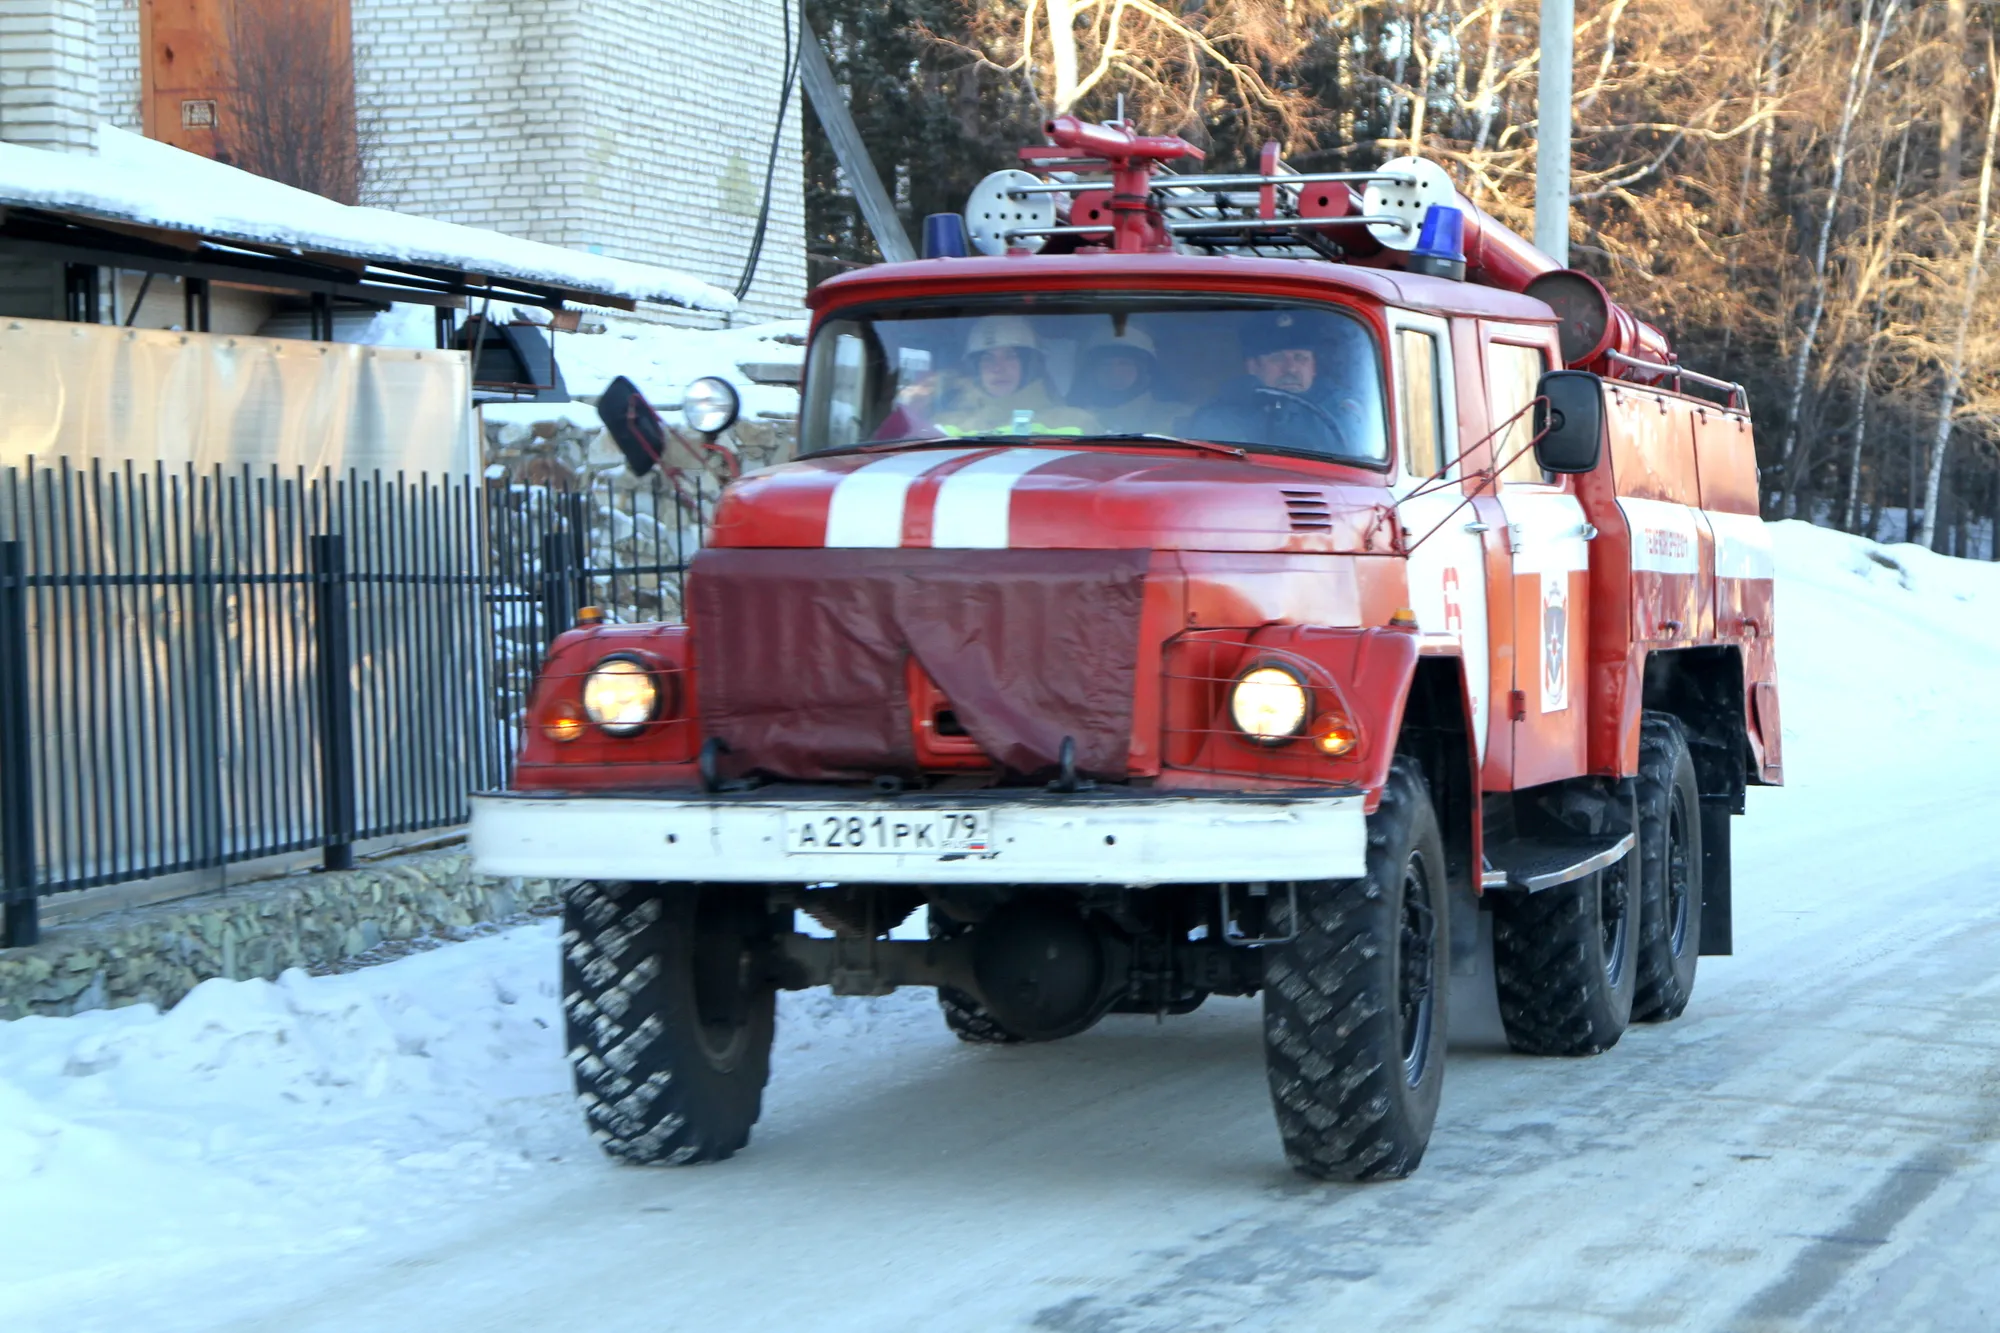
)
(1669, 855)
(965, 1016)
(1354, 1003)
(1567, 961)
(669, 1021)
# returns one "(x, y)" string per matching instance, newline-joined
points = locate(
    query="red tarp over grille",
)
(800, 655)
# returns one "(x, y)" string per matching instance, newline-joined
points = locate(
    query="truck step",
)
(1533, 864)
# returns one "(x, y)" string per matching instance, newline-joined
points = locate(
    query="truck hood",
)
(1051, 495)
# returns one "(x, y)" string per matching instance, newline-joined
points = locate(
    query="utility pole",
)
(877, 208)
(1552, 100)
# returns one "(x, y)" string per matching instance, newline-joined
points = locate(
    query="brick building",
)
(636, 129)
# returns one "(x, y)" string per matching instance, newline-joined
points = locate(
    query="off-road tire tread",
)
(619, 944)
(1661, 997)
(1323, 1019)
(966, 1017)
(1546, 968)
(969, 1021)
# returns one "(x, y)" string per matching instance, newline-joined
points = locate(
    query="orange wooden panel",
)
(189, 89)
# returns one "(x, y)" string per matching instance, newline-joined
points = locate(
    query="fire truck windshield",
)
(1294, 378)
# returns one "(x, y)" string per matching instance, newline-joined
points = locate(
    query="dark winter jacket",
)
(1246, 412)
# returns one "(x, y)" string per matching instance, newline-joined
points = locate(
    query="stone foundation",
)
(157, 954)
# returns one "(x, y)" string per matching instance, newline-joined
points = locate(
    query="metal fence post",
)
(335, 657)
(204, 717)
(565, 559)
(558, 585)
(20, 923)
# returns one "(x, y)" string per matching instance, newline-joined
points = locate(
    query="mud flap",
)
(1716, 934)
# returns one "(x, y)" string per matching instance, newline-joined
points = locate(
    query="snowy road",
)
(1816, 1145)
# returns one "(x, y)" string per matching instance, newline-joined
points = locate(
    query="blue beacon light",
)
(1440, 248)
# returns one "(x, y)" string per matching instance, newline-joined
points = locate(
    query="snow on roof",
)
(136, 180)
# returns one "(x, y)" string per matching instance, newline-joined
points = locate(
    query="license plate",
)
(917, 832)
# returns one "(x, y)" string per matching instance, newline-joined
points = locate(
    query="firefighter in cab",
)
(1115, 383)
(1003, 387)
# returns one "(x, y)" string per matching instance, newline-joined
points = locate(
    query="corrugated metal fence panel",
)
(221, 666)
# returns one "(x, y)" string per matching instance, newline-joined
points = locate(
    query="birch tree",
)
(1860, 75)
(1954, 375)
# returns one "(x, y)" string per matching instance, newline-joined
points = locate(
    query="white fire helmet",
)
(991, 331)
(1133, 339)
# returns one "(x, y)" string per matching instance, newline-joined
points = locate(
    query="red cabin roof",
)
(1244, 275)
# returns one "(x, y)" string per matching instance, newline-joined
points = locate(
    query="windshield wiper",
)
(1149, 437)
(911, 441)
(1001, 439)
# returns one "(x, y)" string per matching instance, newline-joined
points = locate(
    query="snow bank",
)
(308, 1117)
(1879, 650)
(663, 361)
(134, 179)
(303, 1116)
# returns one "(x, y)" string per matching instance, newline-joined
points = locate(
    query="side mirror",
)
(1569, 421)
(635, 427)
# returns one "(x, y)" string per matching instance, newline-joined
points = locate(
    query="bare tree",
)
(293, 114)
(1860, 75)
(1954, 375)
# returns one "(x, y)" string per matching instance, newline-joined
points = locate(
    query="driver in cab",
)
(1282, 398)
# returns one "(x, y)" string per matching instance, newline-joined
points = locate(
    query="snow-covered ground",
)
(1815, 1145)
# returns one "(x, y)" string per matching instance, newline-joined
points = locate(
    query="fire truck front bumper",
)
(803, 836)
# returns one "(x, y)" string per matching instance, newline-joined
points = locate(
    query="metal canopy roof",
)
(144, 205)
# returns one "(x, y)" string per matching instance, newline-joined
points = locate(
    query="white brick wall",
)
(117, 62)
(635, 127)
(48, 78)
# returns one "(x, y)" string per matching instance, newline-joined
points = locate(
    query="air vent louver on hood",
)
(1308, 511)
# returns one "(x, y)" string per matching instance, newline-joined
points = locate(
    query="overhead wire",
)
(793, 50)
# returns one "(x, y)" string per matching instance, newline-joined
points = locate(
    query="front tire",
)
(669, 1021)
(1354, 1002)
(1669, 855)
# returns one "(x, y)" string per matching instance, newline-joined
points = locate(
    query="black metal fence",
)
(198, 669)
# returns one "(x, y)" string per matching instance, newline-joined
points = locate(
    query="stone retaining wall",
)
(158, 954)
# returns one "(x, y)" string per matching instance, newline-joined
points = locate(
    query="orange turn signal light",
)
(564, 724)
(1335, 735)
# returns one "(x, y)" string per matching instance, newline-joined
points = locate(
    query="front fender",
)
(662, 754)
(1361, 674)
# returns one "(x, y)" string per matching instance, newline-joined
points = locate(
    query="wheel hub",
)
(1613, 919)
(1415, 979)
(1679, 876)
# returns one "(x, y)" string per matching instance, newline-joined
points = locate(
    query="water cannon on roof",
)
(1108, 189)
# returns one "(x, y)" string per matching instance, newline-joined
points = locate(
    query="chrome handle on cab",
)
(1479, 527)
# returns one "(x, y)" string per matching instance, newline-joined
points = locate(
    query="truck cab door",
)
(1548, 540)
(1447, 579)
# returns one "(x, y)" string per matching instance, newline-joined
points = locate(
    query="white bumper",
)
(1037, 840)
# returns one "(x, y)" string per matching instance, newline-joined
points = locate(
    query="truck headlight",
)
(1268, 704)
(621, 696)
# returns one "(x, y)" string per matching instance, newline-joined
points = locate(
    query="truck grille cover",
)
(799, 655)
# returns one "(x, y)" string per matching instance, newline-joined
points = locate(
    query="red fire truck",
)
(1223, 584)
